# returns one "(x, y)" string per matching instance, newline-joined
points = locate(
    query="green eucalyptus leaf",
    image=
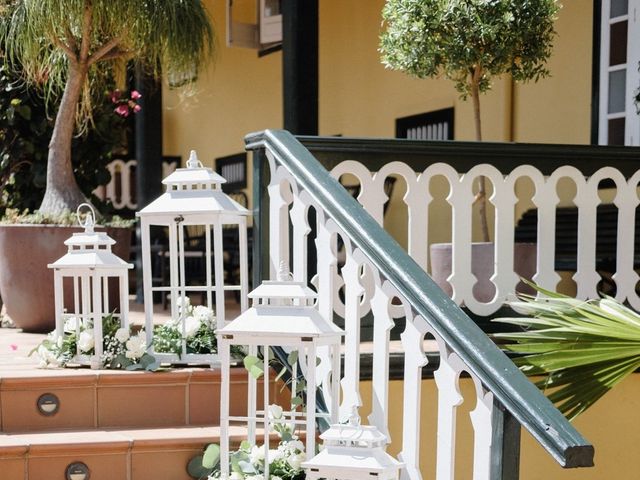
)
(211, 456)
(196, 470)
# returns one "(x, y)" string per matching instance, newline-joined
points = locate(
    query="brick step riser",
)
(108, 400)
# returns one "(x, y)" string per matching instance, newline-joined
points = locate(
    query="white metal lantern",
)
(353, 452)
(193, 201)
(89, 264)
(283, 314)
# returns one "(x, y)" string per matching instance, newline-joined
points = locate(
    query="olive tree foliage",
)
(469, 42)
(73, 49)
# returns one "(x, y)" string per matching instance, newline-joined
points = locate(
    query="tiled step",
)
(89, 399)
(127, 454)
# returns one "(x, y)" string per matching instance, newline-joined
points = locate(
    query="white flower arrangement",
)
(199, 330)
(248, 462)
(121, 348)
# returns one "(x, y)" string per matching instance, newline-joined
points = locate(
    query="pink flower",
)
(135, 95)
(137, 108)
(115, 96)
(13, 347)
(122, 110)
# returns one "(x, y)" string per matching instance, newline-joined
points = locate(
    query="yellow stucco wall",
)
(612, 426)
(241, 93)
(359, 97)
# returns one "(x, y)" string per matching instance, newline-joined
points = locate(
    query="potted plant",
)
(469, 43)
(73, 50)
(581, 348)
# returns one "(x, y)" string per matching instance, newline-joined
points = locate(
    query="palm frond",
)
(582, 348)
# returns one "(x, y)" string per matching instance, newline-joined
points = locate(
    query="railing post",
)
(260, 263)
(505, 445)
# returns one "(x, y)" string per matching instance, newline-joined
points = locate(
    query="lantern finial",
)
(354, 418)
(193, 161)
(90, 217)
(284, 275)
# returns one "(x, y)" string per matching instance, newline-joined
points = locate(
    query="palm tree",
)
(77, 47)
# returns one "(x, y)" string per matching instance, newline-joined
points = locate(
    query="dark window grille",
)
(234, 169)
(436, 125)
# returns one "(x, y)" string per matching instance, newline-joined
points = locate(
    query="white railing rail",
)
(375, 277)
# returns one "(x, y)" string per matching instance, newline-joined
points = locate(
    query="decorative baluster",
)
(301, 230)
(414, 361)
(481, 417)
(626, 277)
(352, 294)
(449, 399)
(546, 200)
(382, 324)
(587, 201)
(504, 278)
(461, 200)
(279, 200)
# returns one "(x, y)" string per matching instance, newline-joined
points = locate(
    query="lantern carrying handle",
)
(90, 217)
(193, 161)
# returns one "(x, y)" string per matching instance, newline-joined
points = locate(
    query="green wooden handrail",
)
(497, 373)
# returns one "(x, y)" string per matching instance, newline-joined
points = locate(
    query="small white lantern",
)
(283, 314)
(193, 200)
(90, 263)
(353, 452)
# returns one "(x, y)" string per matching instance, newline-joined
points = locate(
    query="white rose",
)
(136, 346)
(71, 324)
(86, 342)
(275, 455)
(191, 326)
(204, 315)
(122, 335)
(295, 460)
(256, 454)
(183, 303)
(275, 412)
(294, 445)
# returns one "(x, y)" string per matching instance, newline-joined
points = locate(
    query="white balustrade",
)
(504, 198)
(120, 189)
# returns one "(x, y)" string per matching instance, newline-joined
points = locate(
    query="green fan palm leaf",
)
(582, 348)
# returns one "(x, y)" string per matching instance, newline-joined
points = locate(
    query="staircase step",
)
(131, 454)
(105, 399)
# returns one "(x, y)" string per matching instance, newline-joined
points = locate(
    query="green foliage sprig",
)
(582, 348)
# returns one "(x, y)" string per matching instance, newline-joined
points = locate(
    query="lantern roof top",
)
(354, 448)
(193, 173)
(97, 259)
(351, 461)
(193, 202)
(89, 249)
(286, 322)
(191, 191)
(280, 289)
(354, 433)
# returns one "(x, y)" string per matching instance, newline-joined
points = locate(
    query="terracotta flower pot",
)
(482, 267)
(26, 284)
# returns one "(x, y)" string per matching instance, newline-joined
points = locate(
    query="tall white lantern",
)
(283, 314)
(193, 202)
(353, 452)
(87, 266)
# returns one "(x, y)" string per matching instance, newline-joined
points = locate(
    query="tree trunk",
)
(481, 198)
(62, 191)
